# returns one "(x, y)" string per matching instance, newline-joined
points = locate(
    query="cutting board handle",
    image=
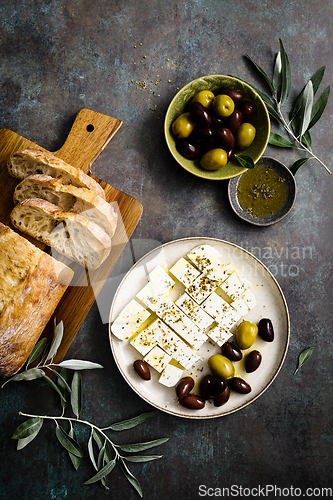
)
(90, 133)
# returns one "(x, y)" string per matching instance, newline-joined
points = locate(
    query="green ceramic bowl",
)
(260, 119)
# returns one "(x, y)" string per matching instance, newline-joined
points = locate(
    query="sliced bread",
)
(68, 233)
(31, 286)
(69, 198)
(27, 162)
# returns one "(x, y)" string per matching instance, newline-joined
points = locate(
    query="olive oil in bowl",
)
(265, 194)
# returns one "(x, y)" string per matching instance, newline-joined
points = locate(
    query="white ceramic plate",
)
(270, 304)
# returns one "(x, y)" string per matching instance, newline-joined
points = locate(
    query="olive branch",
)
(103, 453)
(305, 112)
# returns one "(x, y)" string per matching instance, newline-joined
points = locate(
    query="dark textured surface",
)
(58, 56)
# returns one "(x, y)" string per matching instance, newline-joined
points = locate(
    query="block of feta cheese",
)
(240, 305)
(194, 312)
(233, 286)
(146, 339)
(215, 305)
(149, 295)
(184, 272)
(171, 375)
(202, 287)
(219, 271)
(170, 314)
(229, 318)
(203, 256)
(157, 358)
(129, 320)
(249, 299)
(161, 279)
(219, 335)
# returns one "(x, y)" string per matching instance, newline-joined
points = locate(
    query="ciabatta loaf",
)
(27, 162)
(31, 286)
(69, 198)
(68, 233)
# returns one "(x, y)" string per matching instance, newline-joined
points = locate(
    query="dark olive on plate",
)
(218, 386)
(235, 96)
(192, 402)
(240, 385)
(223, 398)
(184, 386)
(205, 386)
(188, 149)
(266, 330)
(231, 351)
(230, 154)
(252, 361)
(226, 138)
(247, 111)
(142, 369)
(202, 133)
(200, 113)
(234, 121)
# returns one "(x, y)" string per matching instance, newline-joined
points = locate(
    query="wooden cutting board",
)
(88, 136)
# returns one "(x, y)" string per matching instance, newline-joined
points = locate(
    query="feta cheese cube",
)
(233, 286)
(219, 335)
(249, 299)
(215, 305)
(171, 375)
(240, 305)
(147, 339)
(175, 346)
(149, 295)
(184, 271)
(219, 271)
(203, 256)
(160, 278)
(202, 287)
(229, 318)
(129, 320)
(170, 314)
(157, 358)
(194, 312)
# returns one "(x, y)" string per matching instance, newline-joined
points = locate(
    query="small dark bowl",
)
(276, 217)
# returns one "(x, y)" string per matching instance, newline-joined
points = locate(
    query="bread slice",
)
(31, 286)
(69, 198)
(68, 233)
(27, 162)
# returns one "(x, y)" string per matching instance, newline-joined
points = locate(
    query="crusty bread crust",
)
(34, 284)
(69, 198)
(27, 162)
(69, 233)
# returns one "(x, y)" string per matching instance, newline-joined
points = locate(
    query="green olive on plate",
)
(246, 334)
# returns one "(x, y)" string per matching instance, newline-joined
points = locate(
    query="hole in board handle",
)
(90, 128)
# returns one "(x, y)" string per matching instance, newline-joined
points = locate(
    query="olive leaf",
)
(132, 422)
(74, 458)
(67, 442)
(285, 75)
(245, 161)
(76, 393)
(303, 357)
(142, 446)
(129, 476)
(28, 428)
(78, 364)
(319, 106)
(57, 338)
(37, 350)
(31, 374)
(267, 80)
(102, 473)
(64, 379)
(277, 74)
(306, 108)
(295, 166)
(55, 387)
(278, 140)
(142, 458)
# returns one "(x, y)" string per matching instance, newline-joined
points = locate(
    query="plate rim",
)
(286, 310)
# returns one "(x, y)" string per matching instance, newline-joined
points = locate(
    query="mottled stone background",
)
(58, 56)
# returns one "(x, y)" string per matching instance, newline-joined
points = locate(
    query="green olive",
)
(245, 135)
(205, 97)
(246, 334)
(223, 106)
(221, 366)
(214, 159)
(183, 126)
